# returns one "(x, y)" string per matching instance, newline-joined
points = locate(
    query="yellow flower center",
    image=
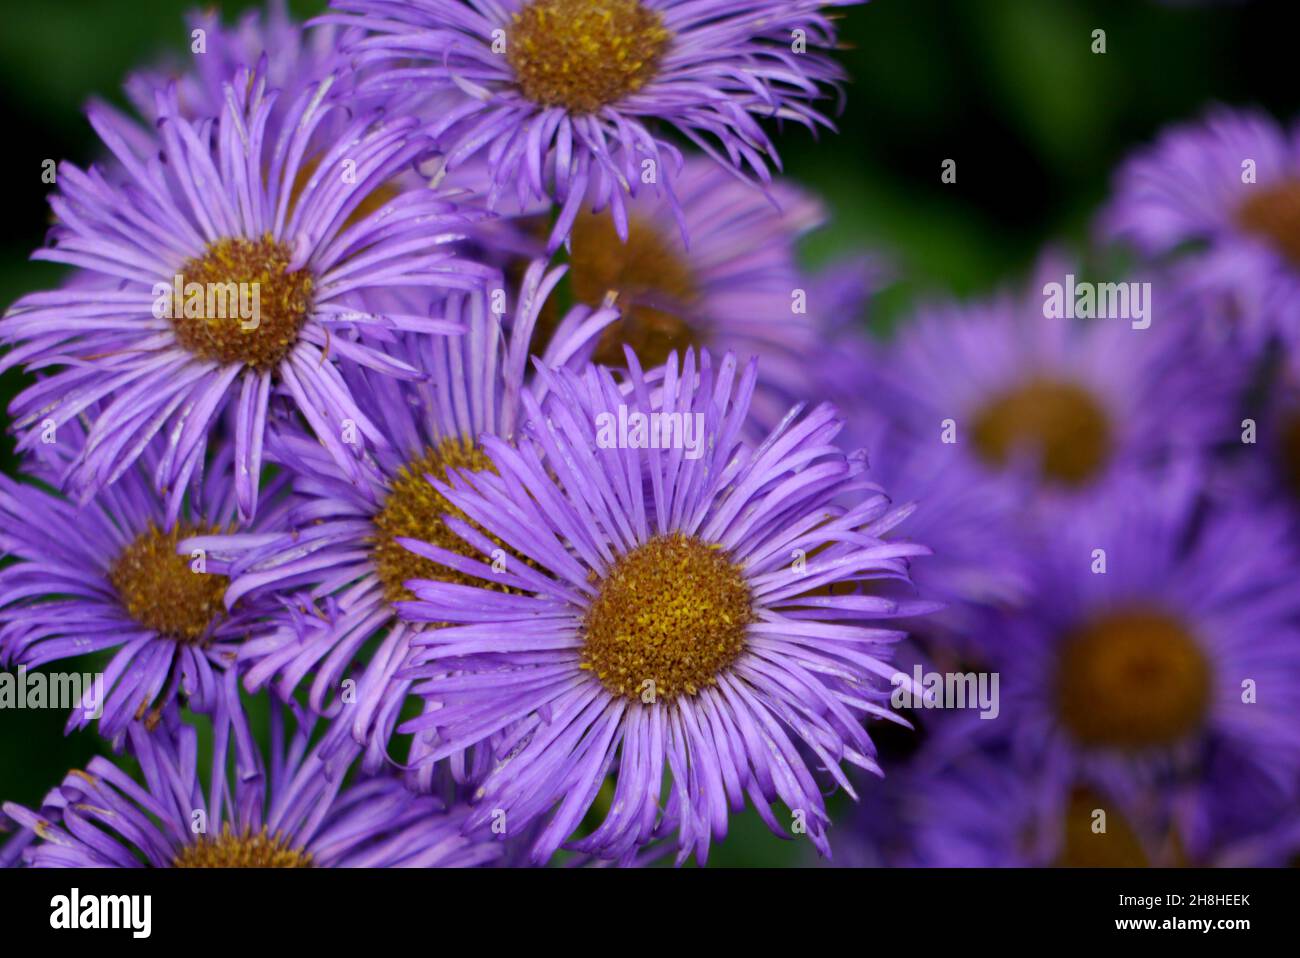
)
(240, 304)
(1273, 213)
(246, 850)
(1060, 422)
(1131, 679)
(584, 54)
(161, 591)
(414, 509)
(653, 285)
(670, 616)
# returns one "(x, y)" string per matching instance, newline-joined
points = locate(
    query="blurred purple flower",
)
(1160, 633)
(1221, 198)
(737, 287)
(1053, 407)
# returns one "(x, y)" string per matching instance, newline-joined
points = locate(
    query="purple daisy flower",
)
(107, 576)
(558, 93)
(1159, 635)
(1222, 198)
(273, 245)
(1056, 407)
(296, 58)
(690, 615)
(968, 799)
(737, 288)
(983, 810)
(343, 543)
(285, 813)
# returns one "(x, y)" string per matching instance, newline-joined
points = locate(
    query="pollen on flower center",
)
(241, 304)
(654, 288)
(584, 54)
(672, 612)
(414, 510)
(1061, 423)
(1130, 679)
(161, 591)
(1274, 214)
(248, 849)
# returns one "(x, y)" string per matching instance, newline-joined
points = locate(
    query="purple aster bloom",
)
(561, 94)
(297, 58)
(1222, 198)
(973, 802)
(967, 799)
(1159, 635)
(1055, 407)
(983, 810)
(344, 528)
(285, 812)
(701, 617)
(1277, 847)
(736, 288)
(275, 245)
(107, 576)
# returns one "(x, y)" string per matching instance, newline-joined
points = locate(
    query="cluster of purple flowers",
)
(443, 374)
(1107, 474)
(320, 415)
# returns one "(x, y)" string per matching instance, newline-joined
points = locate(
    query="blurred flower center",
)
(1131, 679)
(654, 286)
(1116, 847)
(160, 590)
(239, 303)
(584, 54)
(248, 849)
(414, 509)
(1274, 214)
(670, 616)
(1060, 422)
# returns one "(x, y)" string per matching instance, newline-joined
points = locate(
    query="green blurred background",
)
(1008, 88)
